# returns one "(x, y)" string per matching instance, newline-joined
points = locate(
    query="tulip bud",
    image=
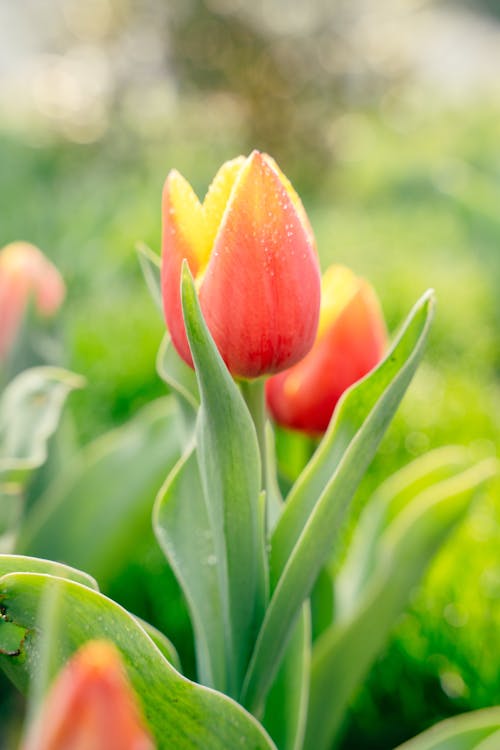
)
(90, 706)
(351, 340)
(25, 273)
(251, 251)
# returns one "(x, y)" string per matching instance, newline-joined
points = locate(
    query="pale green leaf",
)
(180, 713)
(285, 712)
(230, 470)
(97, 514)
(184, 531)
(150, 263)
(312, 517)
(477, 730)
(344, 652)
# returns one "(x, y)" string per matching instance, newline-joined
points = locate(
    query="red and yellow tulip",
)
(251, 251)
(25, 273)
(351, 340)
(90, 706)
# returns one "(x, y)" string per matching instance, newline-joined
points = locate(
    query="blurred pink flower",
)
(25, 274)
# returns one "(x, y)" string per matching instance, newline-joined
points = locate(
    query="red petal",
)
(260, 294)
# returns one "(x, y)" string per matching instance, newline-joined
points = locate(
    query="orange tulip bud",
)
(251, 250)
(351, 340)
(24, 273)
(90, 706)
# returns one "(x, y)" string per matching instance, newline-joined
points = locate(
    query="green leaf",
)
(163, 643)
(97, 514)
(286, 707)
(178, 376)
(184, 532)
(30, 408)
(150, 264)
(477, 730)
(181, 714)
(345, 651)
(229, 463)
(387, 502)
(24, 564)
(306, 531)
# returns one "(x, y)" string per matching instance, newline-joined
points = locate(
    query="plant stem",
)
(254, 394)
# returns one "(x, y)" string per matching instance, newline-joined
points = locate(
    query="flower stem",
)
(254, 394)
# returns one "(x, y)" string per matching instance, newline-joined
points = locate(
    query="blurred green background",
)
(385, 116)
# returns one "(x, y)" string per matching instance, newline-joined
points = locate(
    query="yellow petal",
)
(217, 198)
(185, 215)
(338, 285)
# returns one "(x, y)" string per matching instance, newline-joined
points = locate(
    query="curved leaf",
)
(30, 408)
(477, 730)
(306, 531)
(344, 652)
(150, 263)
(24, 564)
(230, 470)
(184, 532)
(98, 512)
(180, 713)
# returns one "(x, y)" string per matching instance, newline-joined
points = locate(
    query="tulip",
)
(351, 340)
(90, 706)
(251, 251)
(25, 273)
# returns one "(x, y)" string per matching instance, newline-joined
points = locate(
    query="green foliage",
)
(180, 713)
(30, 409)
(104, 497)
(308, 527)
(479, 730)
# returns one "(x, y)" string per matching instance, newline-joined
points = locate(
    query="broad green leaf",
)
(163, 643)
(477, 730)
(24, 564)
(344, 652)
(306, 531)
(97, 514)
(150, 263)
(285, 713)
(230, 470)
(180, 713)
(183, 529)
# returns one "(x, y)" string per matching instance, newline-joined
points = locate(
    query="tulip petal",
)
(217, 197)
(351, 341)
(260, 293)
(293, 195)
(183, 237)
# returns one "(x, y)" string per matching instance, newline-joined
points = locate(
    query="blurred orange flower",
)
(90, 706)
(25, 273)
